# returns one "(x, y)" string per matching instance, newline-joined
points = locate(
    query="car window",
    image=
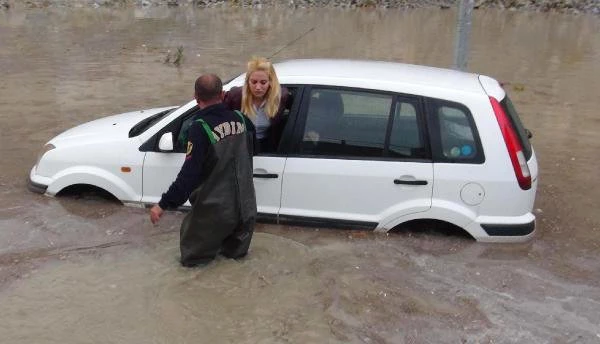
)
(365, 104)
(180, 134)
(405, 137)
(346, 123)
(455, 133)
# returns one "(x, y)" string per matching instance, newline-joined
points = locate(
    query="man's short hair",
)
(208, 87)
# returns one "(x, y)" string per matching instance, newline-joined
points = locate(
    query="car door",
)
(269, 167)
(359, 157)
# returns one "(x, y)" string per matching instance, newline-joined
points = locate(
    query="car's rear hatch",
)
(521, 134)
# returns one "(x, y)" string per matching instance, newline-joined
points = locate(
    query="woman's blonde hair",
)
(273, 95)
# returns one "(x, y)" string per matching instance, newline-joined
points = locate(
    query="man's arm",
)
(188, 178)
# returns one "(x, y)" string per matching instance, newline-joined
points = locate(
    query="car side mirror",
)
(165, 144)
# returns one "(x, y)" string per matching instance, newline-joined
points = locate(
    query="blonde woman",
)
(263, 100)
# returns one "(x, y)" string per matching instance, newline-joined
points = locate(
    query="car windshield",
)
(146, 123)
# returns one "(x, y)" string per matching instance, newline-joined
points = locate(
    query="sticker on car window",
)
(454, 152)
(466, 150)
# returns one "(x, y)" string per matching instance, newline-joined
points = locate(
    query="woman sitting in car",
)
(263, 100)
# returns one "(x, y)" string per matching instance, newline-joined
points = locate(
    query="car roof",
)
(378, 72)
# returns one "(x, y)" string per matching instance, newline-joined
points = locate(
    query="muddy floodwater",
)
(82, 269)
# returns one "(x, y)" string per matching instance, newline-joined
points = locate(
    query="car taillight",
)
(515, 150)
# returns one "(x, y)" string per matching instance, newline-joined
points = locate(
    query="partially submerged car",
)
(366, 144)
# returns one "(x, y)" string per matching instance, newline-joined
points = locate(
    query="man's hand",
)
(155, 213)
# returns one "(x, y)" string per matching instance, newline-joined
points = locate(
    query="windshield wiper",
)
(148, 122)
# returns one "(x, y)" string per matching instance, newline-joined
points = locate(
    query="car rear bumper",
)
(521, 229)
(503, 229)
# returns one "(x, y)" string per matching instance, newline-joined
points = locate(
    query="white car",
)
(366, 145)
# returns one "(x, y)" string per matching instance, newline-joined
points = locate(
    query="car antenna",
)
(285, 46)
(291, 42)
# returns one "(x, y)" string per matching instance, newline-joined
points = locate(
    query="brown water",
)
(84, 270)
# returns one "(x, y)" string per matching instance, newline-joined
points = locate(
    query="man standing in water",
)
(217, 178)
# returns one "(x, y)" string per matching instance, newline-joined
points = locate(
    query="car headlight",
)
(48, 147)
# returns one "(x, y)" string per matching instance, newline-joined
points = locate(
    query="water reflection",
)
(109, 271)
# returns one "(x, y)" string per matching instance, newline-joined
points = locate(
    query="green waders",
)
(223, 206)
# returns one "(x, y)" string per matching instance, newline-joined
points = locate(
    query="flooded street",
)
(87, 270)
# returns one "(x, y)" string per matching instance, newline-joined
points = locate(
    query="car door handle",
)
(265, 175)
(410, 182)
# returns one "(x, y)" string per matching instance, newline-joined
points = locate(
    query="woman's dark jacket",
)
(233, 100)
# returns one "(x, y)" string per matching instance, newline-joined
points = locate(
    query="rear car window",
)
(453, 133)
(522, 132)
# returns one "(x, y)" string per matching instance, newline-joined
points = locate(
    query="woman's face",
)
(259, 84)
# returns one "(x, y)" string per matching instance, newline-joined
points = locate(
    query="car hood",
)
(116, 126)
